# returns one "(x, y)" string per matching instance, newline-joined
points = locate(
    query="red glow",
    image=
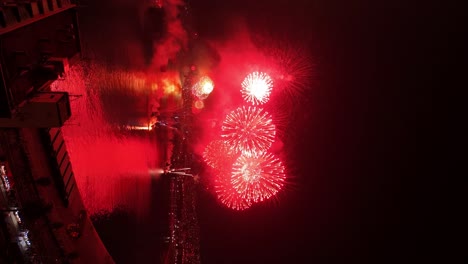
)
(198, 104)
(158, 3)
(176, 37)
(110, 169)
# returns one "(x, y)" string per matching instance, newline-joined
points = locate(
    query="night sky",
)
(350, 199)
(351, 145)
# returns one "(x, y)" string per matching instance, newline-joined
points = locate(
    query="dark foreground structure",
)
(180, 232)
(43, 219)
(179, 183)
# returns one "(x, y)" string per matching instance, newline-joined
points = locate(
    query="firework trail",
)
(248, 129)
(257, 177)
(256, 88)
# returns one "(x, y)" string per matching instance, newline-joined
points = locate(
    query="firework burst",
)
(203, 87)
(227, 195)
(295, 71)
(256, 88)
(218, 155)
(291, 66)
(257, 177)
(248, 129)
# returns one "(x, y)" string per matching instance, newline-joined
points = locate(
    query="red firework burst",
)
(227, 195)
(203, 87)
(256, 88)
(219, 155)
(294, 69)
(257, 177)
(248, 129)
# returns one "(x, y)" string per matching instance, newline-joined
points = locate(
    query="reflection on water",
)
(112, 166)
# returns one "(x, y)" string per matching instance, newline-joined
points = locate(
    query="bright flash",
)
(203, 88)
(207, 87)
(256, 88)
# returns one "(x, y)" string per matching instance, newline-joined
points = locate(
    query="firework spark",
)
(248, 129)
(257, 177)
(256, 88)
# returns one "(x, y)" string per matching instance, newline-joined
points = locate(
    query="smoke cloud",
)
(176, 36)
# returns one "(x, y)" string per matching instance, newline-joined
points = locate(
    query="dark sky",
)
(356, 158)
(353, 196)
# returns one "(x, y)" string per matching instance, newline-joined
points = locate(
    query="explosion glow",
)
(257, 177)
(219, 155)
(256, 88)
(203, 87)
(248, 130)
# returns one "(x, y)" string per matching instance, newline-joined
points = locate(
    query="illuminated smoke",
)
(256, 88)
(176, 38)
(248, 129)
(257, 177)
